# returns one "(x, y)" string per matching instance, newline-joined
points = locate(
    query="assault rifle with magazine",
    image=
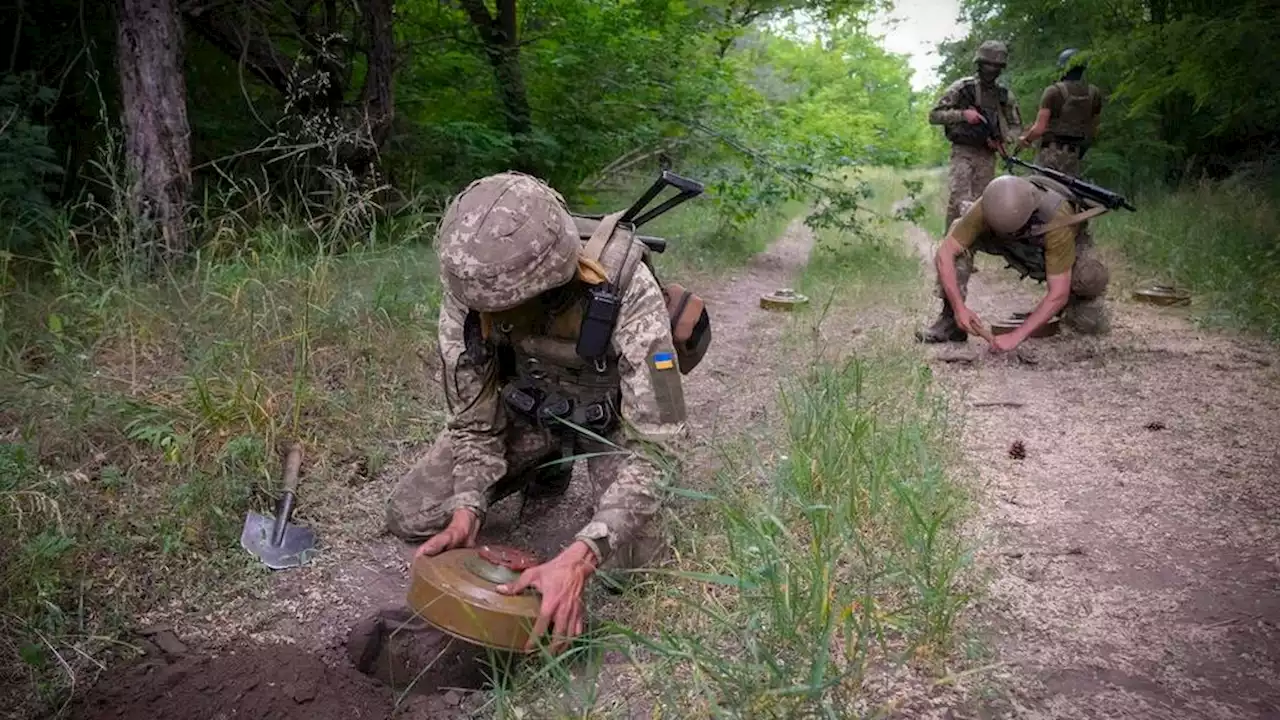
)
(1085, 189)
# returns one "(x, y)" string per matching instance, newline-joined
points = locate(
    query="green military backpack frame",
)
(612, 241)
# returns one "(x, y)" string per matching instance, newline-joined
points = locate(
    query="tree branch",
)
(232, 36)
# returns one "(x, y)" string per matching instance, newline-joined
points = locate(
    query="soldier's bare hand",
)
(461, 533)
(561, 582)
(973, 117)
(969, 321)
(1004, 343)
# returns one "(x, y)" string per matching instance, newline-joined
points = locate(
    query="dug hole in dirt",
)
(284, 681)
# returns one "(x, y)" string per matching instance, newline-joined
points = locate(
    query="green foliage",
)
(1219, 240)
(768, 101)
(1191, 87)
(27, 162)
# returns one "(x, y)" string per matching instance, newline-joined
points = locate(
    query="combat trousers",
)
(971, 169)
(1085, 312)
(1062, 158)
(417, 510)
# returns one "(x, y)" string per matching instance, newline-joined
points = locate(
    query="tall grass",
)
(143, 415)
(1220, 240)
(822, 557)
(835, 554)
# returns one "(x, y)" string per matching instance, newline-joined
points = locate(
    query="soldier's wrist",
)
(596, 548)
(582, 550)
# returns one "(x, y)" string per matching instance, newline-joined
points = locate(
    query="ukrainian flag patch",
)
(664, 360)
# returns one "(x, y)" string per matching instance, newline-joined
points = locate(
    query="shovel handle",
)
(292, 466)
(284, 508)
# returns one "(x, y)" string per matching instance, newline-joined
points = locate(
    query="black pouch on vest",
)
(477, 350)
(598, 322)
(523, 400)
(553, 409)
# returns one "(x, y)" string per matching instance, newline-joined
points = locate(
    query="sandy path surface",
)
(1134, 553)
(305, 614)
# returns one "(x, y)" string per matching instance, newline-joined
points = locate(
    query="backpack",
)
(1074, 122)
(619, 250)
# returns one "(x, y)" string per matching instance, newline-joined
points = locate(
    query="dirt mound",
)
(270, 681)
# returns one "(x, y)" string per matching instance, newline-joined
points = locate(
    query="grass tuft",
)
(1219, 240)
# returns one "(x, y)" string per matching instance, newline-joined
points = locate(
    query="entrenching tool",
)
(273, 540)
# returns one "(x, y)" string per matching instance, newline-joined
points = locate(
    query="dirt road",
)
(279, 650)
(1133, 553)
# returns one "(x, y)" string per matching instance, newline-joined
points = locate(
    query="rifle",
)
(687, 189)
(1097, 193)
(1107, 198)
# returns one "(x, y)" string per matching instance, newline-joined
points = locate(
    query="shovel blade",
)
(295, 549)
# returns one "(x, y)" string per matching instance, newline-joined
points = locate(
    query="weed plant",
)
(1219, 240)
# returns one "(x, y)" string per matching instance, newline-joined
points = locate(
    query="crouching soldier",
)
(518, 283)
(1040, 228)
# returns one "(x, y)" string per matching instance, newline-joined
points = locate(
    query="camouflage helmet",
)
(504, 240)
(1007, 203)
(993, 52)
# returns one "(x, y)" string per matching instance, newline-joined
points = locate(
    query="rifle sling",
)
(1061, 223)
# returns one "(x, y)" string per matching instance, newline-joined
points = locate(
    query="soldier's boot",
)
(550, 478)
(944, 328)
(648, 549)
(547, 478)
(1087, 317)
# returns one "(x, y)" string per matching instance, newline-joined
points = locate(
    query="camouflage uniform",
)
(507, 248)
(1074, 107)
(972, 163)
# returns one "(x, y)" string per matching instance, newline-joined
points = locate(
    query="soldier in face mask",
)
(964, 111)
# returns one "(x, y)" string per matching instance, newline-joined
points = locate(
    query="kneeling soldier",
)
(519, 283)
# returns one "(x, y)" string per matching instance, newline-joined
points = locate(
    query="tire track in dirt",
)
(1134, 552)
(308, 612)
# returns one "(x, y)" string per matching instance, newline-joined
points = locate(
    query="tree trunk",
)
(501, 38)
(379, 96)
(157, 137)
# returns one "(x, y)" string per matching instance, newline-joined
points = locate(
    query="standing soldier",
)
(518, 285)
(1068, 119)
(964, 111)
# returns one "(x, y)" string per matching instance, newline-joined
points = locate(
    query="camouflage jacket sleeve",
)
(476, 422)
(950, 107)
(1012, 119)
(653, 416)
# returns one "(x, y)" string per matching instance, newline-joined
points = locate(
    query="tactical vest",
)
(558, 365)
(992, 104)
(1025, 253)
(1075, 121)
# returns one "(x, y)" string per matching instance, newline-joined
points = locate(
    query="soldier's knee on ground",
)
(648, 549)
(415, 510)
(1089, 276)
